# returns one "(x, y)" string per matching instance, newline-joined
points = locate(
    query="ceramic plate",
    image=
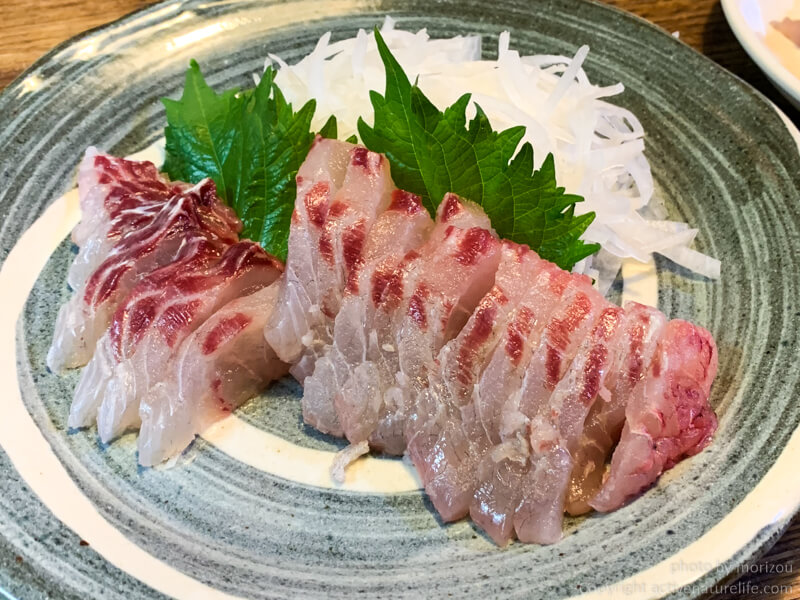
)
(250, 511)
(769, 31)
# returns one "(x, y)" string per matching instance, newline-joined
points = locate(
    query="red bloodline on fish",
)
(475, 242)
(316, 203)
(416, 306)
(405, 202)
(559, 331)
(518, 331)
(224, 331)
(452, 206)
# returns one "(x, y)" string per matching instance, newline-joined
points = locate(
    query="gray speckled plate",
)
(78, 519)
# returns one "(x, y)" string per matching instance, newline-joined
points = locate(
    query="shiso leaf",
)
(251, 144)
(433, 152)
(329, 129)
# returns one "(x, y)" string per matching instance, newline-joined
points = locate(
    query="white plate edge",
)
(760, 53)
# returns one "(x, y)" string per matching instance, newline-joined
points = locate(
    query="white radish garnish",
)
(599, 147)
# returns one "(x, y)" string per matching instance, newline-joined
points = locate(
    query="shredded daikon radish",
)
(345, 457)
(598, 147)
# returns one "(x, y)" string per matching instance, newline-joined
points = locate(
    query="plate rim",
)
(753, 547)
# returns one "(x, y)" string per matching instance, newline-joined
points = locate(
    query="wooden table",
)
(28, 28)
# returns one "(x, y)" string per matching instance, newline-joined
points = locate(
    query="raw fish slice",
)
(565, 306)
(668, 418)
(91, 255)
(185, 297)
(500, 389)
(561, 337)
(99, 378)
(445, 435)
(429, 298)
(497, 480)
(196, 213)
(443, 442)
(297, 312)
(501, 477)
(147, 329)
(643, 327)
(403, 226)
(364, 195)
(555, 432)
(359, 399)
(446, 283)
(224, 363)
(104, 181)
(116, 196)
(342, 189)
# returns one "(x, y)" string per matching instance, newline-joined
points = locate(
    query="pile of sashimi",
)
(410, 259)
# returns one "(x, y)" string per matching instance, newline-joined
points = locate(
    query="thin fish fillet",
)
(555, 432)
(643, 327)
(195, 213)
(403, 226)
(116, 196)
(297, 313)
(503, 488)
(567, 308)
(364, 195)
(333, 214)
(561, 338)
(451, 428)
(224, 363)
(497, 486)
(161, 311)
(668, 418)
(425, 300)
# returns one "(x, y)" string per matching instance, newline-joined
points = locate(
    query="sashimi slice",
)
(116, 196)
(501, 477)
(148, 327)
(442, 285)
(443, 443)
(101, 371)
(195, 213)
(554, 433)
(448, 434)
(643, 327)
(668, 418)
(402, 227)
(497, 480)
(297, 313)
(224, 363)
(428, 298)
(561, 337)
(500, 388)
(511, 392)
(332, 230)
(364, 195)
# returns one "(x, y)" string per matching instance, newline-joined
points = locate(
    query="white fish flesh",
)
(224, 363)
(162, 310)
